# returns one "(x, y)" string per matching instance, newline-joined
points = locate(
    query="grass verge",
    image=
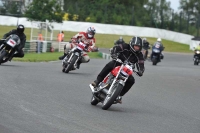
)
(46, 57)
(102, 41)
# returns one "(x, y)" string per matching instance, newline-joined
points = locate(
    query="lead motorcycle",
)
(69, 63)
(196, 57)
(108, 91)
(8, 48)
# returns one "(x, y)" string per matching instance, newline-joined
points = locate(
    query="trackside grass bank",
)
(102, 41)
(46, 57)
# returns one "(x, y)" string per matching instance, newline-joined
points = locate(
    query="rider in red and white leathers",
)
(86, 38)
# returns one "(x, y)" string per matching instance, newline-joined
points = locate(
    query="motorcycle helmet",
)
(144, 40)
(136, 41)
(20, 28)
(159, 40)
(91, 32)
(121, 39)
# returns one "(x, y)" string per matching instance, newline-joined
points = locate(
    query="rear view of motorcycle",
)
(8, 48)
(196, 57)
(69, 63)
(108, 91)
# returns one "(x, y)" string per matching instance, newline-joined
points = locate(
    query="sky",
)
(174, 4)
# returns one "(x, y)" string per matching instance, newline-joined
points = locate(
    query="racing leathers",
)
(122, 51)
(22, 36)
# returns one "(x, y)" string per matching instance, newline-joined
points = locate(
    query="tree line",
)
(144, 13)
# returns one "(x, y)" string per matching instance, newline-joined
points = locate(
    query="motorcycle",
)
(197, 57)
(69, 63)
(108, 91)
(8, 48)
(156, 55)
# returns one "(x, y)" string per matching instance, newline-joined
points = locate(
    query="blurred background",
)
(144, 13)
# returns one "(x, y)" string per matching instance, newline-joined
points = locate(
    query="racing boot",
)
(95, 83)
(78, 64)
(118, 100)
(62, 57)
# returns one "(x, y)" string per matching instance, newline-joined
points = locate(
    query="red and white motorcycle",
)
(70, 61)
(108, 91)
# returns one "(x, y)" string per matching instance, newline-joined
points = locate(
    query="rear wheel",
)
(109, 100)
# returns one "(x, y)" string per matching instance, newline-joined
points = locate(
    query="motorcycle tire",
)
(154, 61)
(109, 100)
(196, 63)
(70, 66)
(2, 55)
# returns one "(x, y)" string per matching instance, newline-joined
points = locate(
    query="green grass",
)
(45, 57)
(102, 41)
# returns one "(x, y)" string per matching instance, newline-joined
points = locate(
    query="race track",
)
(39, 98)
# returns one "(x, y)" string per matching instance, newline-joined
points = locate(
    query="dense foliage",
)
(145, 13)
(42, 10)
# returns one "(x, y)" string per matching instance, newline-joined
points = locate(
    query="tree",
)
(11, 7)
(42, 10)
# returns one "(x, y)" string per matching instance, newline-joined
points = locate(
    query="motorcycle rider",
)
(145, 47)
(197, 48)
(132, 52)
(84, 37)
(161, 47)
(120, 41)
(20, 32)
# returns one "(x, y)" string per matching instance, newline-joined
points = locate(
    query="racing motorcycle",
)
(156, 55)
(8, 48)
(197, 57)
(108, 91)
(69, 63)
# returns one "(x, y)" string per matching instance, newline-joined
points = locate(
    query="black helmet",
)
(136, 41)
(20, 28)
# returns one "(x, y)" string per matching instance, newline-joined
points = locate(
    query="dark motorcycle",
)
(109, 89)
(69, 63)
(8, 48)
(156, 55)
(197, 57)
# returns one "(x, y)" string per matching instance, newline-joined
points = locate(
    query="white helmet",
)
(159, 39)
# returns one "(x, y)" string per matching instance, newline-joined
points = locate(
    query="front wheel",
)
(154, 61)
(3, 53)
(196, 63)
(70, 66)
(109, 100)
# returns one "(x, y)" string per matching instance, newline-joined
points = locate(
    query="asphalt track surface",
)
(39, 98)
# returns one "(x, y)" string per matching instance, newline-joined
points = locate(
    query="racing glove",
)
(114, 56)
